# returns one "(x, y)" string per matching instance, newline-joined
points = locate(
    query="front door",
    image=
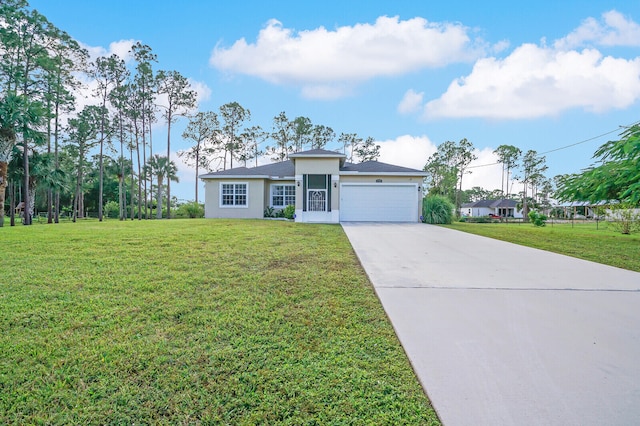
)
(317, 200)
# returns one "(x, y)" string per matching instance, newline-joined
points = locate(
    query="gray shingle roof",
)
(317, 153)
(287, 169)
(376, 167)
(281, 169)
(492, 204)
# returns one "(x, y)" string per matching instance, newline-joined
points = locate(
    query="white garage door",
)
(378, 203)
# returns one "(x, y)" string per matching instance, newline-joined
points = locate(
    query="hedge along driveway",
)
(237, 322)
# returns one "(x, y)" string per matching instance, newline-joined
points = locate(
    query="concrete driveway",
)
(501, 334)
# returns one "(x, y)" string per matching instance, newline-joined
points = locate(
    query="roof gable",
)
(317, 153)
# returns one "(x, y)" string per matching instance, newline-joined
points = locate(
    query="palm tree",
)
(161, 167)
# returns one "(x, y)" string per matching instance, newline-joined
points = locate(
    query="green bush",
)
(481, 219)
(289, 212)
(111, 209)
(269, 212)
(624, 218)
(538, 219)
(191, 210)
(437, 209)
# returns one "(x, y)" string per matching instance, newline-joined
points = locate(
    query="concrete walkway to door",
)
(501, 334)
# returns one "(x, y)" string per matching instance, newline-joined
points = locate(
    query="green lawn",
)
(196, 322)
(582, 240)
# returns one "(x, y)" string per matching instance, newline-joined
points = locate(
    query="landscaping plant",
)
(537, 218)
(625, 218)
(289, 212)
(437, 209)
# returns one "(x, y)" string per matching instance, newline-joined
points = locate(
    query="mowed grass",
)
(583, 240)
(196, 322)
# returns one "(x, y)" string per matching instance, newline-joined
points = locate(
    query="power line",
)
(564, 147)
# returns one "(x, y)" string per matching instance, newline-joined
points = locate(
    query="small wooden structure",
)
(19, 208)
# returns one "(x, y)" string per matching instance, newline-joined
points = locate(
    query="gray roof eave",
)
(356, 173)
(209, 176)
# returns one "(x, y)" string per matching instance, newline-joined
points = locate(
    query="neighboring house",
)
(581, 209)
(321, 186)
(502, 208)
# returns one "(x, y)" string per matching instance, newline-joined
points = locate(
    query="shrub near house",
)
(437, 209)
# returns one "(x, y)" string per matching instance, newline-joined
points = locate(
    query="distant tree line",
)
(451, 162)
(58, 159)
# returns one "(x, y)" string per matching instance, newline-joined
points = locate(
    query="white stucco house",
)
(321, 185)
(502, 208)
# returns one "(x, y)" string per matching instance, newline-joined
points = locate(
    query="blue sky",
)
(412, 74)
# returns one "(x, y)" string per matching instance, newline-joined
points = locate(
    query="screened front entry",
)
(317, 193)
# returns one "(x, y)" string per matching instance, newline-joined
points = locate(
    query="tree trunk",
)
(56, 125)
(502, 187)
(57, 208)
(3, 186)
(26, 219)
(197, 167)
(168, 159)
(49, 191)
(32, 196)
(139, 178)
(144, 161)
(132, 189)
(101, 179)
(50, 206)
(159, 201)
(12, 204)
(74, 214)
(150, 155)
(525, 207)
(122, 198)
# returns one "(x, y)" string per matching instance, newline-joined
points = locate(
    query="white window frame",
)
(284, 196)
(234, 206)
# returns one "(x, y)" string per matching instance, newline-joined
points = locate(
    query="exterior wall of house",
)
(383, 178)
(318, 166)
(267, 190)
(476, 211)
(255, 199)
(485, 211)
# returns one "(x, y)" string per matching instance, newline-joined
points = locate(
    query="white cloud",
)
(414, 151)
(539, 80)
(613, 30)
(326, 91)
(186, 174)
(536, 81)
(500, 46)
(85, 93)
(121, 48)
(485, 173)
(407, 151)
(318, 59)
(411, 102)
(203, 92)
